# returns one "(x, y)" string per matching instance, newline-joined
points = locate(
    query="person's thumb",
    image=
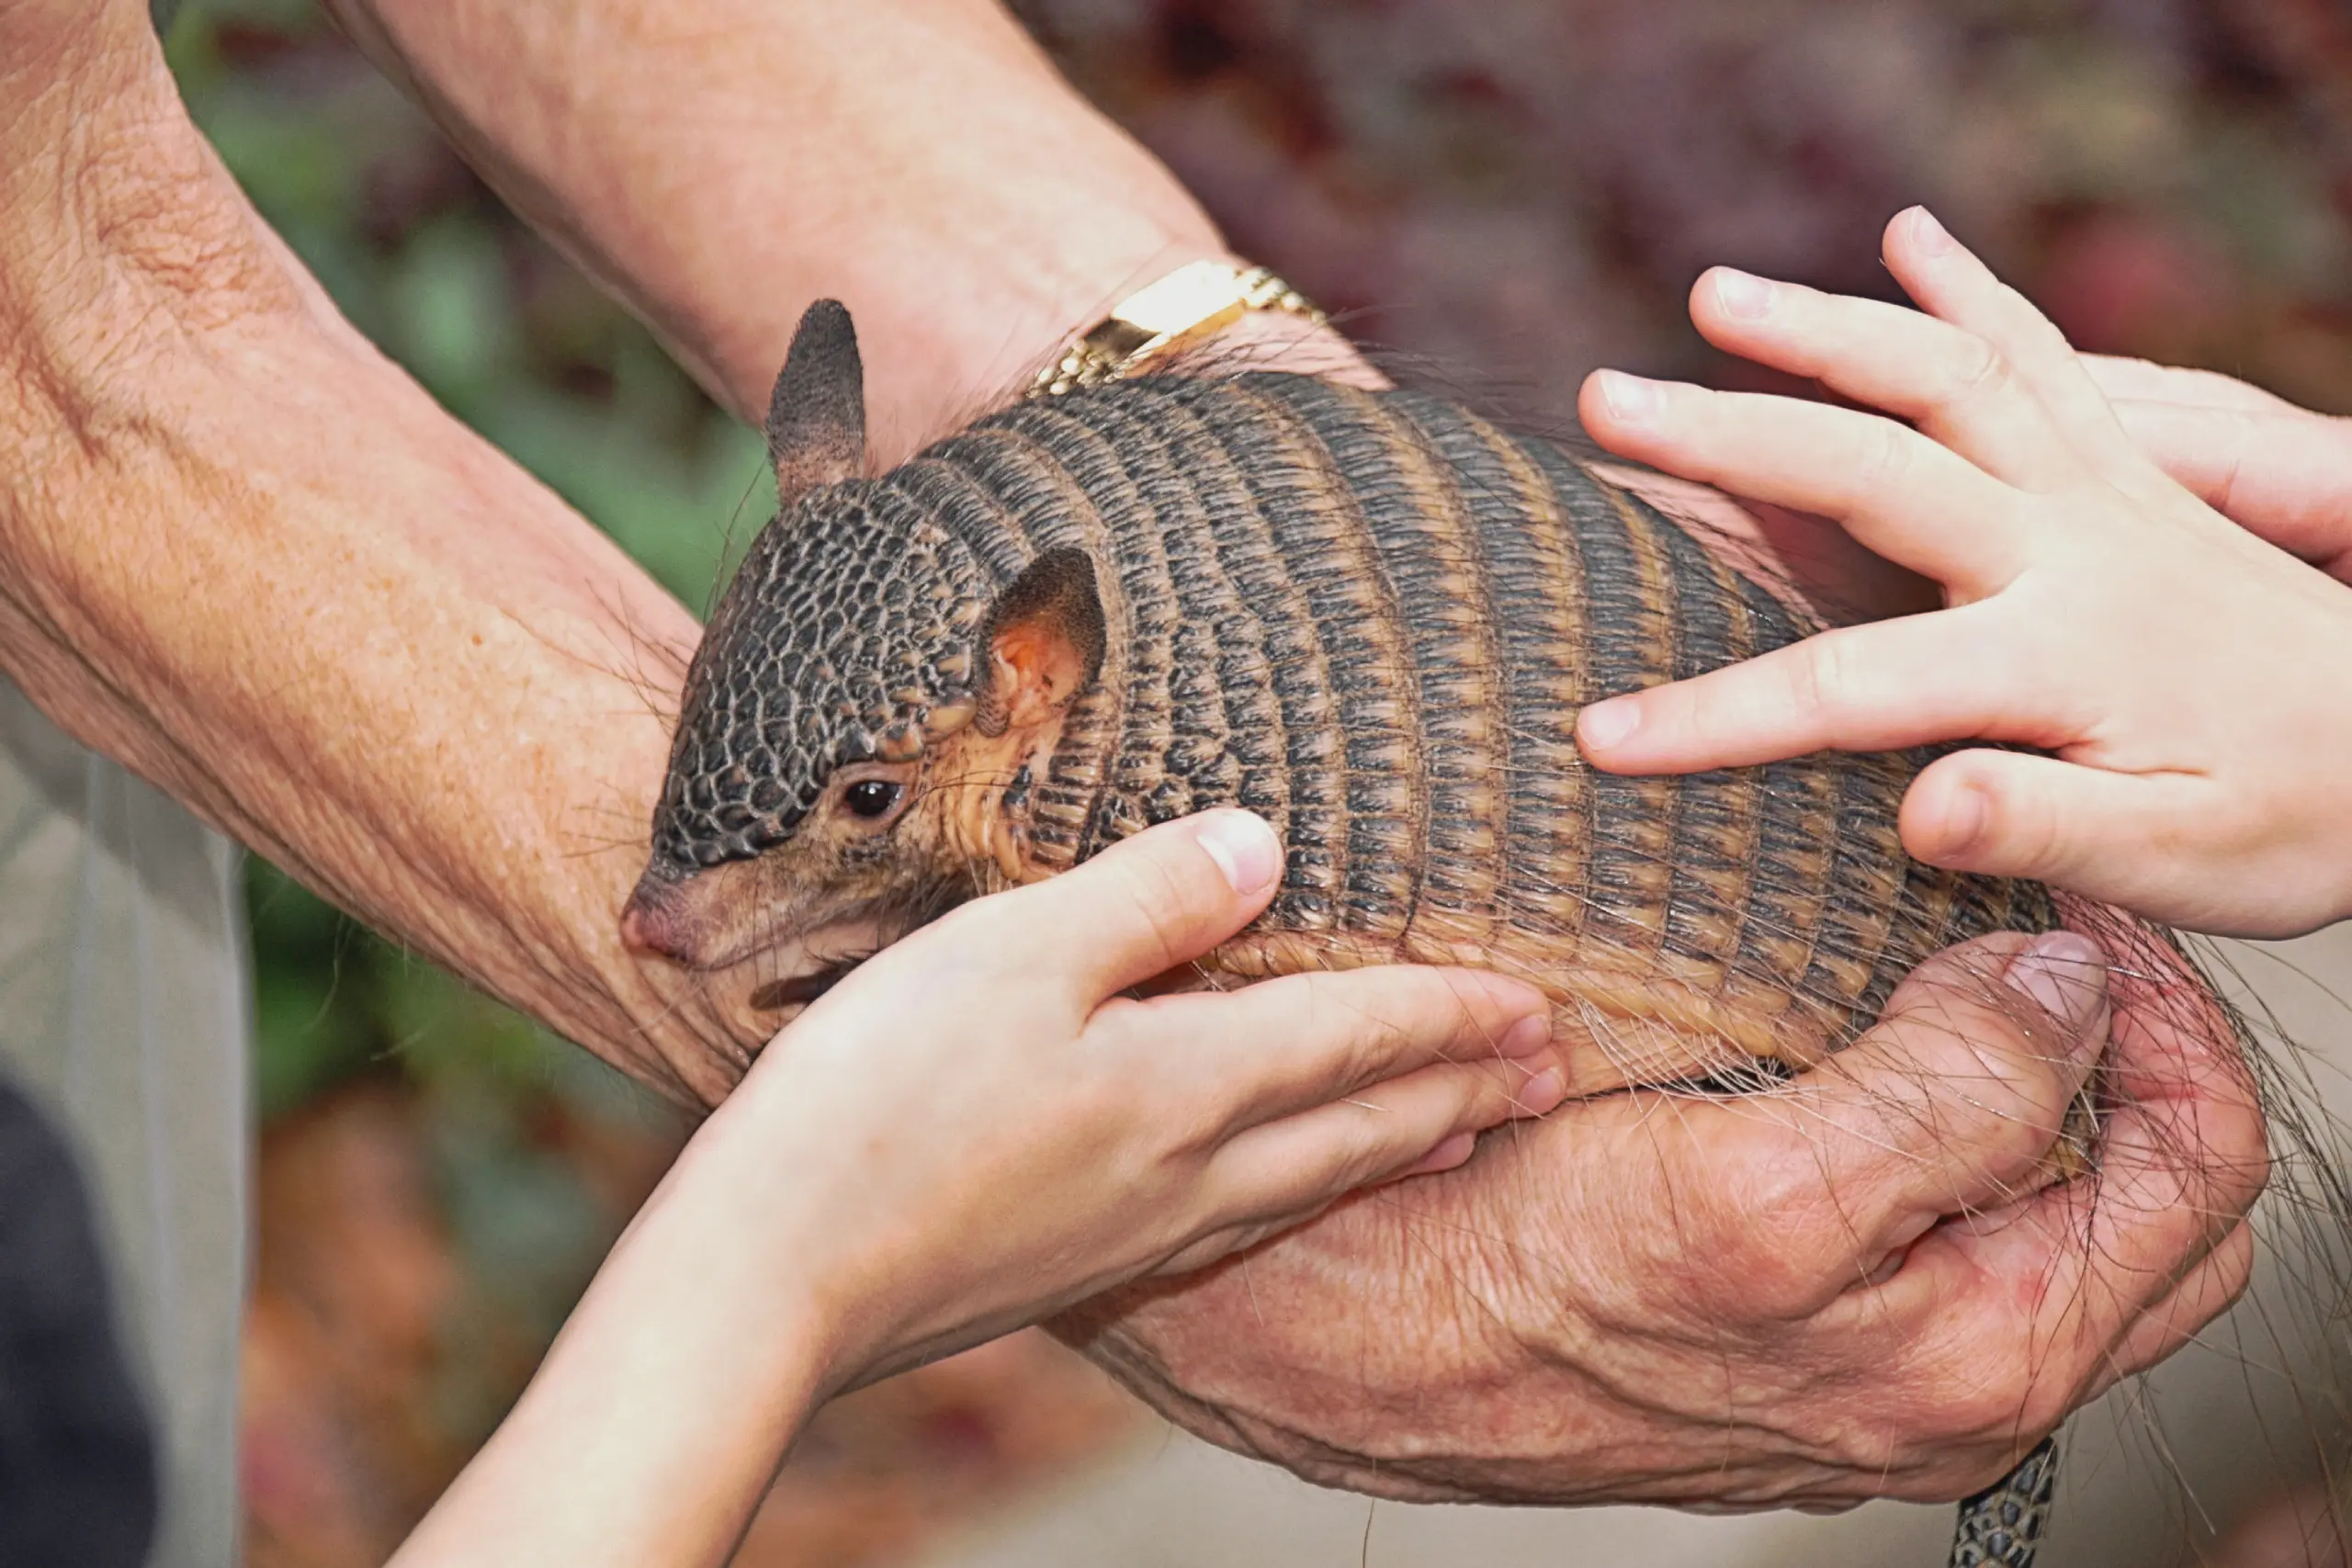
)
(1152, 902)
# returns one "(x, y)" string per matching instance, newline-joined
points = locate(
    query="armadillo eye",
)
(870, 798)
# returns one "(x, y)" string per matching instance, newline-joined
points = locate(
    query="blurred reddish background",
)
(1510, 191)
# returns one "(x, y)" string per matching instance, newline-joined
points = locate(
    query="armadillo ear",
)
(1042, 643)
(817, 416)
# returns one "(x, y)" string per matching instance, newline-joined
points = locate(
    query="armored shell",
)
(1373, 618)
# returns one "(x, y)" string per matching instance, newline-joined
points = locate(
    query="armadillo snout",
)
(659, 921)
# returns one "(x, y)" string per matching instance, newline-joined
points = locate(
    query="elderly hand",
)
(2171, 662)
(1848, 1289)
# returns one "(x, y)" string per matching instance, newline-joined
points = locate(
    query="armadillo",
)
(1371, 617)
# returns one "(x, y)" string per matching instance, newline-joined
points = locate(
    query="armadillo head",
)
(862, 697)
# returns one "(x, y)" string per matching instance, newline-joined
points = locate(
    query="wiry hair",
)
(1372, 618)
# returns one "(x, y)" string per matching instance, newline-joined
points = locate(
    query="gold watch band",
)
(1179, 310)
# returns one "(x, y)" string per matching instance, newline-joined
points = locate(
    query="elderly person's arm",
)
(719, 165)
(1581, 1312)
(242, 552)
(246, 554)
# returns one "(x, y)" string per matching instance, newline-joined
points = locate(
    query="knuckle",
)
(1185, 1133)
(2003, 1398)
(1780, 1287)
(1819, 672)
(1990, 1380)
(1883, 466)
(2249, 1176)
(1162, 904)
(1413, 1016)
(1120, 1031)
(2036, 334)
(1981, 374)
(1777, 1247)
(2015, 1090)
(2237, 1270)
(2235, 1178)
(1349, 1033)
(1365, 1152)
(1478, 1095)
(2237, 1181)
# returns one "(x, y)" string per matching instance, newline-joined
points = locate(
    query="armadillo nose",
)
(639, 930)
(653, 924)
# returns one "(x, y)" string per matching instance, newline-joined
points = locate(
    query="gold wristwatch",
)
(1164, 318)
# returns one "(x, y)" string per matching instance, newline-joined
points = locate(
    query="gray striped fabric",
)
(124, 1012)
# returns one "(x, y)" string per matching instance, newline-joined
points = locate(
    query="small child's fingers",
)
(1287, 1170)
(1876, 687)
(2143, 380)
(2282, 474)
(1949, 281)
(1282, 1046)
(1947, 381)
(2088, 829)
(1902, 495)
(1143, 906)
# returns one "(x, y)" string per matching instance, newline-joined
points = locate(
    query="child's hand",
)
(977, 1127)
(2194, 682)
(2281, 471)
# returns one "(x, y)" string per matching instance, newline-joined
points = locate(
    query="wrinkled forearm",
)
(244, 554)
(719, 165)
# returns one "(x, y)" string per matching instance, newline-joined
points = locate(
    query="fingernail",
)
(1245, 849)
(1629, 398)
(2066, 975)
(1742, 294)
(1608, 724)
(1456, 1150)
(1526, 1037)
(1543, 1092)
(1933, 238)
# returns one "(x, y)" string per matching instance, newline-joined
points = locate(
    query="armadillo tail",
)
(2001, 1525)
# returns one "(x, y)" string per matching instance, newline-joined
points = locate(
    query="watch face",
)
(1190, 303)
(1179, 303)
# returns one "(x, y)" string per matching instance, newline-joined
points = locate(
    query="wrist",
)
(654, 1446)
(919, 160)
(757, 1181)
